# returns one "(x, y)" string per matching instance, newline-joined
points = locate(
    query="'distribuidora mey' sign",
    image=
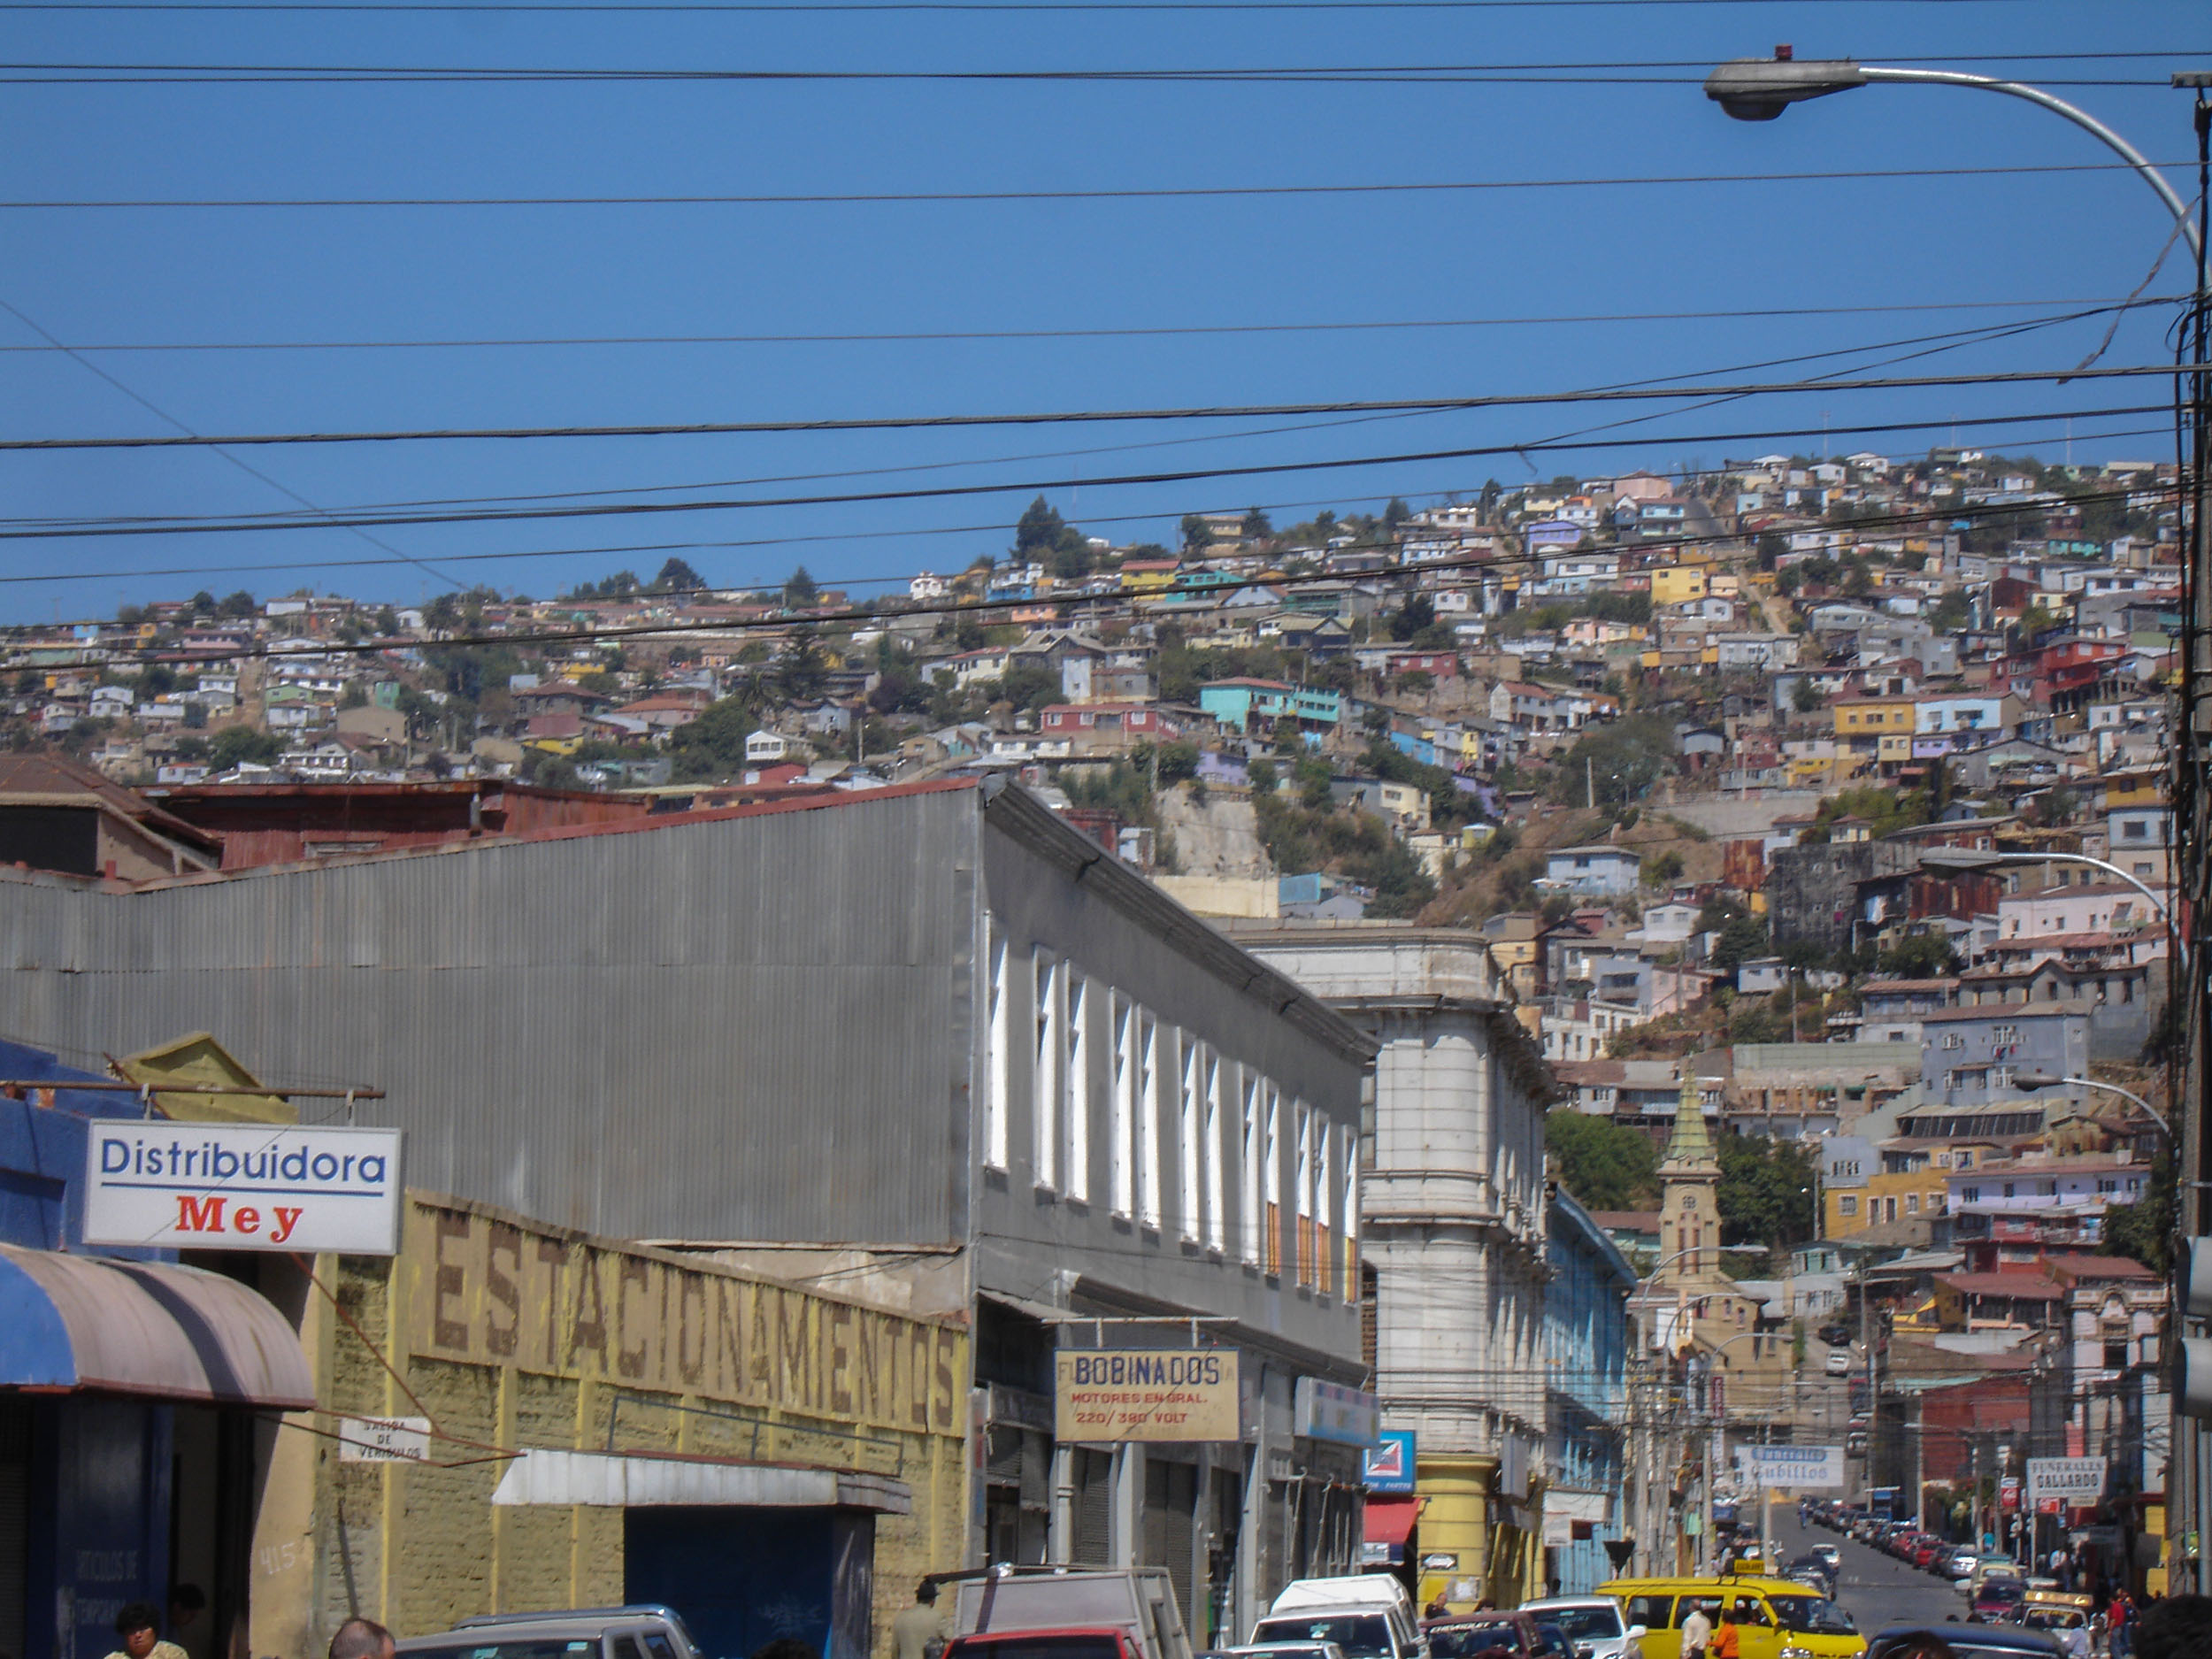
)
(242, 1186)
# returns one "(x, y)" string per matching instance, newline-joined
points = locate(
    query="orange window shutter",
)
(1273, 1239)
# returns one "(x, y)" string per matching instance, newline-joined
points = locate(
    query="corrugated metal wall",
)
(754, 1028)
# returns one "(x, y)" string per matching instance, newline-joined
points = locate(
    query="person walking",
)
(1697, 1634)
(920, 1632)
(1727, 1640)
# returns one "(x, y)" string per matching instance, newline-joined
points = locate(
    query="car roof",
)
(1980, 1635)
(1569, 1600)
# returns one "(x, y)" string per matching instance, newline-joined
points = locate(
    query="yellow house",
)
(2140, 787)
(1679, 584)
(1885, 1196)
(1872, 728)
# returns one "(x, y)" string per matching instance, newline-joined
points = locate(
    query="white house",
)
(764, 746)
(1593, 870)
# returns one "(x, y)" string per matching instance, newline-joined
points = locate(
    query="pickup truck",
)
(1066, 1613)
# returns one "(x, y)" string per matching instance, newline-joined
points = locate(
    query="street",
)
(1876, 1590)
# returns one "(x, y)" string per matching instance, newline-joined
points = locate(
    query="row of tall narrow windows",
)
(1257, 1175)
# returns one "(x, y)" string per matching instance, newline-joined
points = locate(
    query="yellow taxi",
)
(2056, 1611)
(1775, 1618)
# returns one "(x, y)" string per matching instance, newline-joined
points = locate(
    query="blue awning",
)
(147, 1328)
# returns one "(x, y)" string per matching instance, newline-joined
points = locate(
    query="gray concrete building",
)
(925, 1045)
(1453, 1195)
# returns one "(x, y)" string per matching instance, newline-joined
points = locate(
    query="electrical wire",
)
(971, 608)
(395, 75)
(1231, 411)
(1947, 340)
(1162, 332)
(628, 550)
(742, 7)
(943, 491)
(1127, 194)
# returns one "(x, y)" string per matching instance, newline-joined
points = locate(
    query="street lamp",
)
(1961, 860)
(2045, 1080)
(1760, 89)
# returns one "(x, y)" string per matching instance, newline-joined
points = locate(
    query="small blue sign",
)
(1388, 1465)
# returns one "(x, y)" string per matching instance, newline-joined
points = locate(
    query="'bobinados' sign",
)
(1146, 1395)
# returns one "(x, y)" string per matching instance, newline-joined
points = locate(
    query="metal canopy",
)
(149, 1328)
(615, 1480)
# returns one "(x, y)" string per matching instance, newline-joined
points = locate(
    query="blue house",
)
(1240, 703)
(1585, 1352)
(138, 1394)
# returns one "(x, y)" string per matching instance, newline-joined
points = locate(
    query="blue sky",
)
(171, 277)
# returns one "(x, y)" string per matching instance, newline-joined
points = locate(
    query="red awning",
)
(1390, 1520)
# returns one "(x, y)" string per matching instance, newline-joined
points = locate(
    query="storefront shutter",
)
(15, 1521)
(1093, 1507)
(1177, 1535)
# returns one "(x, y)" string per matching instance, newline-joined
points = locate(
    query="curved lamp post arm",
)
(1759, 89)
(2080, 118)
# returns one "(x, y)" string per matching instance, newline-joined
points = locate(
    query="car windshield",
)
(518, 1648)
(1361, 1635)
(1811, 1612)
(1464, 1641)
(2006, 1590)
(1587, 1624)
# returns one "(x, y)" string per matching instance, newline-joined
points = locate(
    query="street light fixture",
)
(2045, 1080)
(1964, 860)
(1760, 89)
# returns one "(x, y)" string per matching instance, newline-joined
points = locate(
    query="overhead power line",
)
(1233, 412)
(1947, 340)
(1131, 193)
(722, 544)
(1162, 332)
(746, 6)
(973, 607)
(945, 492)
(28, 73)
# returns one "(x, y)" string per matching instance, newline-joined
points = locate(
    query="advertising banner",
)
(242, 1187)
(2077, 1480)
(1797, 1468)
(1330, 1411)
(1178, 1394)
(1388, 1464)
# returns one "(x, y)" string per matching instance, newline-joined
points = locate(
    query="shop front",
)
(513, 1416)
(138, 1389)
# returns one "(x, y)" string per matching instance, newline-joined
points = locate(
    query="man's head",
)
(138, 1626)
(926, 1592)
(362, 1639)
(2179, 1627)
(186, 1603)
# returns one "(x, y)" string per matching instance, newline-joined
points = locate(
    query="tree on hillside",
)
(1766, 1192)
(713, 745)
(1603, 1165)
(1256, 525)
(678, 577)
(800, 589)
(1044, 537)
(1197, 535)
(1419, 613)
(236, 745)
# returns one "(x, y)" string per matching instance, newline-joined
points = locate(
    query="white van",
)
(1368, 1614)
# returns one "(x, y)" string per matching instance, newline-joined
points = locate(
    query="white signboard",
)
(2078, 1480)
(383, 1439)
(1798, 1468)
(242, 1187)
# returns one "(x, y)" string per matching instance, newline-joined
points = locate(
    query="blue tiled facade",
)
(1586, 1353)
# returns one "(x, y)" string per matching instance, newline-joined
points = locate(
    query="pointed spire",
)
(1690, 1146)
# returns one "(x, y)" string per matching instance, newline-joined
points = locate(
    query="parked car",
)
(1961, 1563)
(583, 1632)
(1997, 1598)
(1512, 1635)
(1368, 1614)
(1839, 1362)
(1591, 1623)
(1967, 1641)
(1104, 1613)
(1829, 1554)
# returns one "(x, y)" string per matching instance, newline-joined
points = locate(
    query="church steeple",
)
(1689, 1146)
(1689, 1227)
